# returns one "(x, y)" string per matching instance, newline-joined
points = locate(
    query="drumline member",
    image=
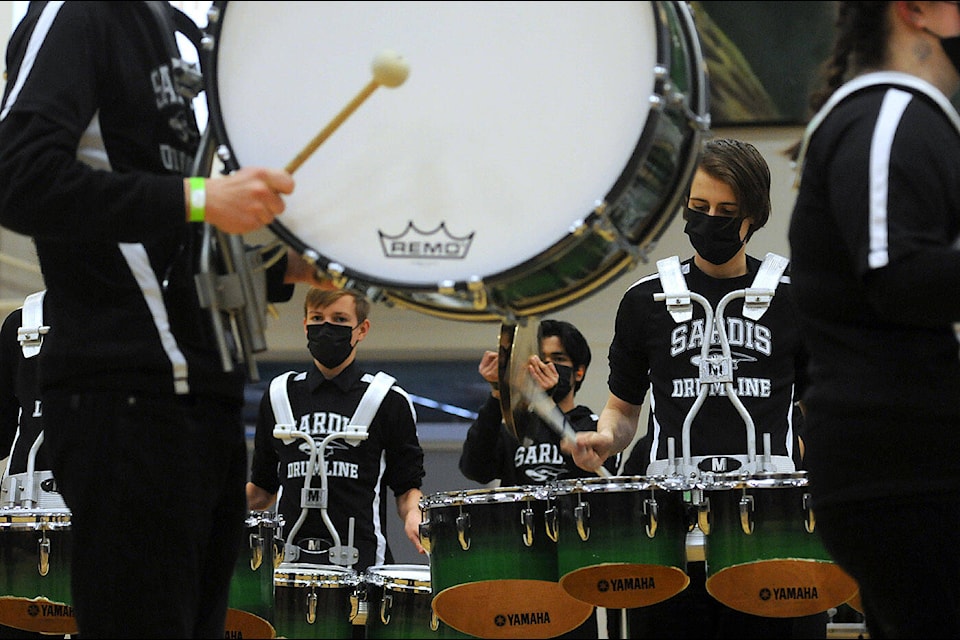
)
(491, 451)
(142, 423)
(876, 271)
(652, 352)
(322, 401)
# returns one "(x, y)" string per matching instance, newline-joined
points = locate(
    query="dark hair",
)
(572, 340)
(739, 165)
(322, 298)
(860, 42)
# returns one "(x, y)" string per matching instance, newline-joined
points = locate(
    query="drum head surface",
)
(625, 585)
(243, 624)
(510, 609)
(782, 588)
(516, 120)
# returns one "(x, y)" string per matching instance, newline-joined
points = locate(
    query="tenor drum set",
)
(575, 126)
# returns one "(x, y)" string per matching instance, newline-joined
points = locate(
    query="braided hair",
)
(860, 43)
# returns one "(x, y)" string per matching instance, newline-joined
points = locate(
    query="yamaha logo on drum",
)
(414, 243)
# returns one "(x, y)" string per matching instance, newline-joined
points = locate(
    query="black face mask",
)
(329, 343)
(716, 238)
(563, 385)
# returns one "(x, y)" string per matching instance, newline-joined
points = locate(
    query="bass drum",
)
(534, 151)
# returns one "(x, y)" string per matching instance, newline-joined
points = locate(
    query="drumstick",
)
(547, 409)
(389, 70)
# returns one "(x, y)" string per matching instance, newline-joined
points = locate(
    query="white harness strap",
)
(31, 331)
(363, 416)
(282, 412)
(758, 296)
(370, 402)
(677, 295)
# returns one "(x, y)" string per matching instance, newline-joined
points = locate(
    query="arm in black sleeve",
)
(479, 459)
(919, 290)
(9, 361)
(264, 467)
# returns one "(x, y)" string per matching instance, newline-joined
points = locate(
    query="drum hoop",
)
(385, 576)
(303, 574)
(494, 495)
(621, 483)
(34, 519)
(761, 480)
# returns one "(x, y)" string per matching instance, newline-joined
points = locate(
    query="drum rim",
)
(494, 495)
(379, 575)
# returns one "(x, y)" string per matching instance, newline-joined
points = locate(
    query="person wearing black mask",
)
(491, 450)
(657, 349)
(322, 401)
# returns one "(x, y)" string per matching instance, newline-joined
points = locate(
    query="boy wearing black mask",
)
(322, 401)
(491, 451)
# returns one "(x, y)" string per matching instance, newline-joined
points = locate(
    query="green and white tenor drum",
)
(763, 556)
(493, 567)
(621, 541)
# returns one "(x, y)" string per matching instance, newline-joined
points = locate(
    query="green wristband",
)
(198, 199)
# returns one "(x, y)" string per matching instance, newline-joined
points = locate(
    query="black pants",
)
(155, 487)
(905, 556)
(694, 613)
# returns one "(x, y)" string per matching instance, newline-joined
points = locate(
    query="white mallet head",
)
(390, 69)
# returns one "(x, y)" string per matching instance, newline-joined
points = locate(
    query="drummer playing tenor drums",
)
(729, 200)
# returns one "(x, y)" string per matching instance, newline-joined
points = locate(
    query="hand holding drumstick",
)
(389, 70)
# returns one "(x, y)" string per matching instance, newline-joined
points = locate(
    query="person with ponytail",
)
(876, 275)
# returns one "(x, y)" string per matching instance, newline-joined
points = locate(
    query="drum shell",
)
(398, 601)
(635, 527)
(295, 587)
(780, 568)
(22, 566)
(497, 550)
(251, 587)
(779, 531)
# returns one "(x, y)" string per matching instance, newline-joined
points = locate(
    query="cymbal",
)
(518, 341)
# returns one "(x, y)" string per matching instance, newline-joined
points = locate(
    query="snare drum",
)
(492, 567)
(532, 153)
(313, 601)
(251, 589)
(35, 570)
(621, 541)
(762, 555)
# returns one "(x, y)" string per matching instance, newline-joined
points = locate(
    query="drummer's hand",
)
(543, 373)
(590, 449)
(489, 367)
(299, 270)
(245, 200)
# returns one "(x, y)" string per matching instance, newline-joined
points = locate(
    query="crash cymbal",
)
(518, 341)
